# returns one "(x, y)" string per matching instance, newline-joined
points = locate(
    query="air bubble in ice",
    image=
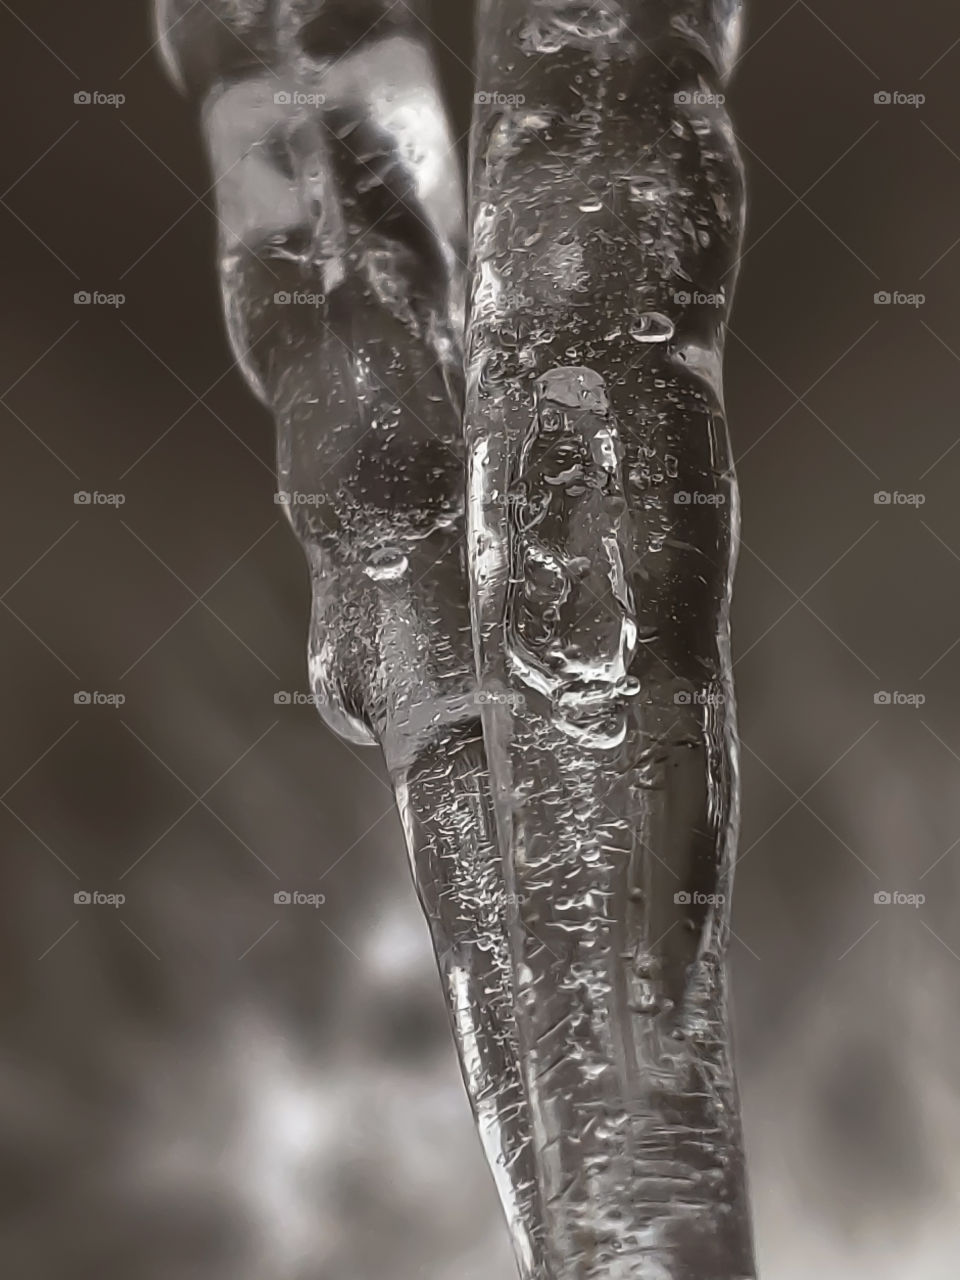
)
(572, 625)
(652, 326)
(386, 565)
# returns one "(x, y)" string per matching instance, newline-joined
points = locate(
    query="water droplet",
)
(644, 189)
(386, 565)
(652, 326)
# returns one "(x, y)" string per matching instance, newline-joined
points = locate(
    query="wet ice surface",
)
(342, 239)
(571, 628)
(578, 908)
(602, 522)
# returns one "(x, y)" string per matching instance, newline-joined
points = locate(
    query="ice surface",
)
(607, 200)
(571, 626)
(340, 208)
(578, 901)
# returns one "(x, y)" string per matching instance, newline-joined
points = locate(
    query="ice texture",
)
(573, 852)
(606, 199)
(340, 211)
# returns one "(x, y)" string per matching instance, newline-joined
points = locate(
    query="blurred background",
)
(199, 1083)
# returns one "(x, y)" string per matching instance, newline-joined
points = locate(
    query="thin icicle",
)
(340, 211)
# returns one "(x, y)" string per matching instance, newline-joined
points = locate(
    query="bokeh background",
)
(199, 1083)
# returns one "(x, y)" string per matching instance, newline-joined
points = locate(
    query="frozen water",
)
(571, 627)
(602, 525)
(578, 886)
(340, 210)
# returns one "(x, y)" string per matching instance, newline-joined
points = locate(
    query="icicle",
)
(606, 196)
(339, 202)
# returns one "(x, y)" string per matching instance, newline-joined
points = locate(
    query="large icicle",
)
(606, 201)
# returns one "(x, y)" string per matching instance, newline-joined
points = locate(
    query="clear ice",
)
(552, 599)
(606, 199)
(340, 211)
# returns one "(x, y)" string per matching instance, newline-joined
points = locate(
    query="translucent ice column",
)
(606, 202)
(341, 243)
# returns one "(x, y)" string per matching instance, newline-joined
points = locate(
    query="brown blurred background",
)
(199, 1083)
